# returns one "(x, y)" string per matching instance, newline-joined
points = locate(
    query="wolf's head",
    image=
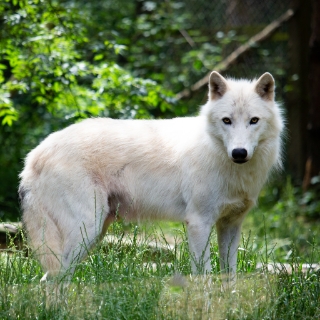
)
(243, 116)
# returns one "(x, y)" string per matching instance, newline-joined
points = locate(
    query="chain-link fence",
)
(231, 23)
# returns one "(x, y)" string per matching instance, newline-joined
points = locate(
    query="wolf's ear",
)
(265, 87)
(217, 85)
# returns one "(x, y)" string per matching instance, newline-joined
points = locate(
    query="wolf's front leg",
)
(199, 230)
(228, 232)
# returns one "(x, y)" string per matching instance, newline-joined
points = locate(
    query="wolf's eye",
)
(254, 120)
(226, 121)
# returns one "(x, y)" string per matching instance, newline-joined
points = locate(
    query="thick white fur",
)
(78, 179)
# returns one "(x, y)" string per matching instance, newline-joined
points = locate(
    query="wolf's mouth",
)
(239, 161)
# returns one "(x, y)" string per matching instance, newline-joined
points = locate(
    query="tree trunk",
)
(298, 88)
(313, 162)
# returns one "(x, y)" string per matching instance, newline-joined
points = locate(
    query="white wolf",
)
(201, 170)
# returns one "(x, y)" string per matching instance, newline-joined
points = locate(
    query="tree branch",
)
(225, 64)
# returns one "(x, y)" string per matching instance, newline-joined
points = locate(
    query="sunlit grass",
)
(146, 278)
(144, 273)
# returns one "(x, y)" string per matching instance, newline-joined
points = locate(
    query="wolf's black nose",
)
(239, 155)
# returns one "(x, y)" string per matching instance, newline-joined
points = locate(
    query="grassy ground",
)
(146, 275)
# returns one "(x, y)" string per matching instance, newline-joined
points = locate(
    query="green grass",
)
(138, 274)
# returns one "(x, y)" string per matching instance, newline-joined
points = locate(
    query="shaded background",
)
(62, 61)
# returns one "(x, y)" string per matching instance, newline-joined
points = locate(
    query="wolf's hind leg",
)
(79, 242)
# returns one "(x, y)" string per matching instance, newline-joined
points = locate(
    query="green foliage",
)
(53, 73)
(286, 218)
(310, 200)
(48, 63)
